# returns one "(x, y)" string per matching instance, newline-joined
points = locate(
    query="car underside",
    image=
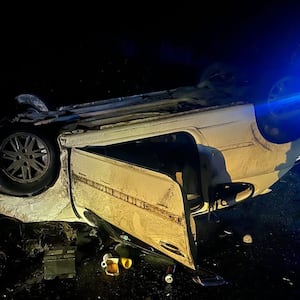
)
(147, 165)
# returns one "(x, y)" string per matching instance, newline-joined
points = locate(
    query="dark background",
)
(78, 54)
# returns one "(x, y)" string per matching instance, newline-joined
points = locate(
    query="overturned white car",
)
(148, 165)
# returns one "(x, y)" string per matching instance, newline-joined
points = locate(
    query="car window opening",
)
(174, 154)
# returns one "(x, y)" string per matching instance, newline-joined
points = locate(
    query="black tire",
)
(226, 78)
(29, 161)
(278, 109)
(220, 74)
(284, 88)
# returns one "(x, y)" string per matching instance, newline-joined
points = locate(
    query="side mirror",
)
(232, 191)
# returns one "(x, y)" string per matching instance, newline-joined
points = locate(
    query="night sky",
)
(102, 53)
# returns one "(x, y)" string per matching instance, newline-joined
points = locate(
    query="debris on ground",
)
(247, 239)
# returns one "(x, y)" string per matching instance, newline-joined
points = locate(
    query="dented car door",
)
(144, 203)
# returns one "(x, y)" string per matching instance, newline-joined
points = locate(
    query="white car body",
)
(148, 204)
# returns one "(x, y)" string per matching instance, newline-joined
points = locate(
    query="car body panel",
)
(146, 204)
(228, 140)
(52, 205)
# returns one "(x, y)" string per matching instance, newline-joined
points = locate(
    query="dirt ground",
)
(266, 268)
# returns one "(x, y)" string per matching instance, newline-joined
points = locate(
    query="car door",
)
(144, 203)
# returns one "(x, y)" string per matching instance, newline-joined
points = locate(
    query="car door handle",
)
(171, 248)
